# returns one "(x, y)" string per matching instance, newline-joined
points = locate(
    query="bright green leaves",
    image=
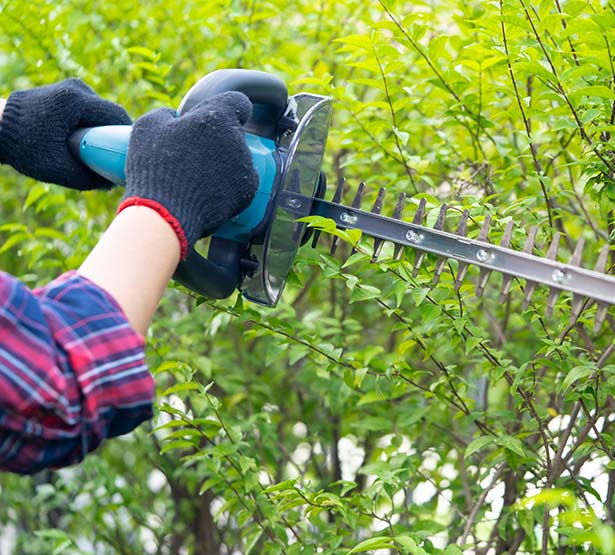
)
(370, 409)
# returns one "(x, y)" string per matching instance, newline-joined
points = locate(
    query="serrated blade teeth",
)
(601, 313)
(484, 272)
(461, 274)
(578, 301)
(585, 287)
(506, 278)
(484, 230)
(575, 259)
(356, 203)
(602, 259)
(462, 228)
(553, 292)
(358, 198)
(438, 271)
(339, 189)
(603, 308)
(554, 246)
(507, 237)
(418, 254)
(528, 248)
(439, 225)
(462, 268)
(420, 213)
(399, 207)
(529, 291)
(377, 209)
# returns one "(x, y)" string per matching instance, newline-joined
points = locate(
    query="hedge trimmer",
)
(255, 251)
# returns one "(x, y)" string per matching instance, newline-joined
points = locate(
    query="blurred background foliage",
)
(369, 411)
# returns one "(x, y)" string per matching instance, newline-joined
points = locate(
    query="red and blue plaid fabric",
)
(72, 373)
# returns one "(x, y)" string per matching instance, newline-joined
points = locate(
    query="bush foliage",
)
(370, 411)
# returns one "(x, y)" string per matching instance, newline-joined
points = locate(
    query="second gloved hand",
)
(195, 170)
(36, 124)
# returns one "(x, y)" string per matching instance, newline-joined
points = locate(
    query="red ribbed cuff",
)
(166, 216)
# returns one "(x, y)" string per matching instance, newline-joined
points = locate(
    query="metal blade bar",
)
(552, 273)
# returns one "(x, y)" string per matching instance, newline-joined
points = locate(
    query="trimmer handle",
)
(104, 149)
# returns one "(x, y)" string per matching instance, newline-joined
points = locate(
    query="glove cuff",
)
(10, 128)
(166, 216)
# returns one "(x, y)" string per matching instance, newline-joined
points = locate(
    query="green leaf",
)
(478, 444)
(578, 373)
(419, 294)
(252, 540)
(599, 91)
(372, 423)
(512, 444)
(177, 444)
(35, 193)
(180, 387)
(373, 543)
(364, 292)
(409, 544)
(142, 51)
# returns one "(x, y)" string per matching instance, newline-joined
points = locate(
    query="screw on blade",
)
(484, 272)
(377, 209)
(441, 261)
(602, 307)
(337, 197)
(397, 216)
(558, 275)
(462, 268)
(418, 220)
(505, 242)
(531, 285)
(356, 203)
(578, 301)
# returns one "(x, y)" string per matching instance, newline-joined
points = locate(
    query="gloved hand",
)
(196, 170)
(36, 124)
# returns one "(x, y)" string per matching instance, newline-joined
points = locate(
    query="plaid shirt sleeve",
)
(72, 373)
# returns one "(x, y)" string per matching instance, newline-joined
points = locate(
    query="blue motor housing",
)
(103, 149)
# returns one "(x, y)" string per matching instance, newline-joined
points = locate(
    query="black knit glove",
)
(36, 124)
(196, 170)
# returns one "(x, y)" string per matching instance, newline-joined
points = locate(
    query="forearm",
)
(134, 261)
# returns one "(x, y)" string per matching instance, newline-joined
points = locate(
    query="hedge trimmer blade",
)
(583, 283)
